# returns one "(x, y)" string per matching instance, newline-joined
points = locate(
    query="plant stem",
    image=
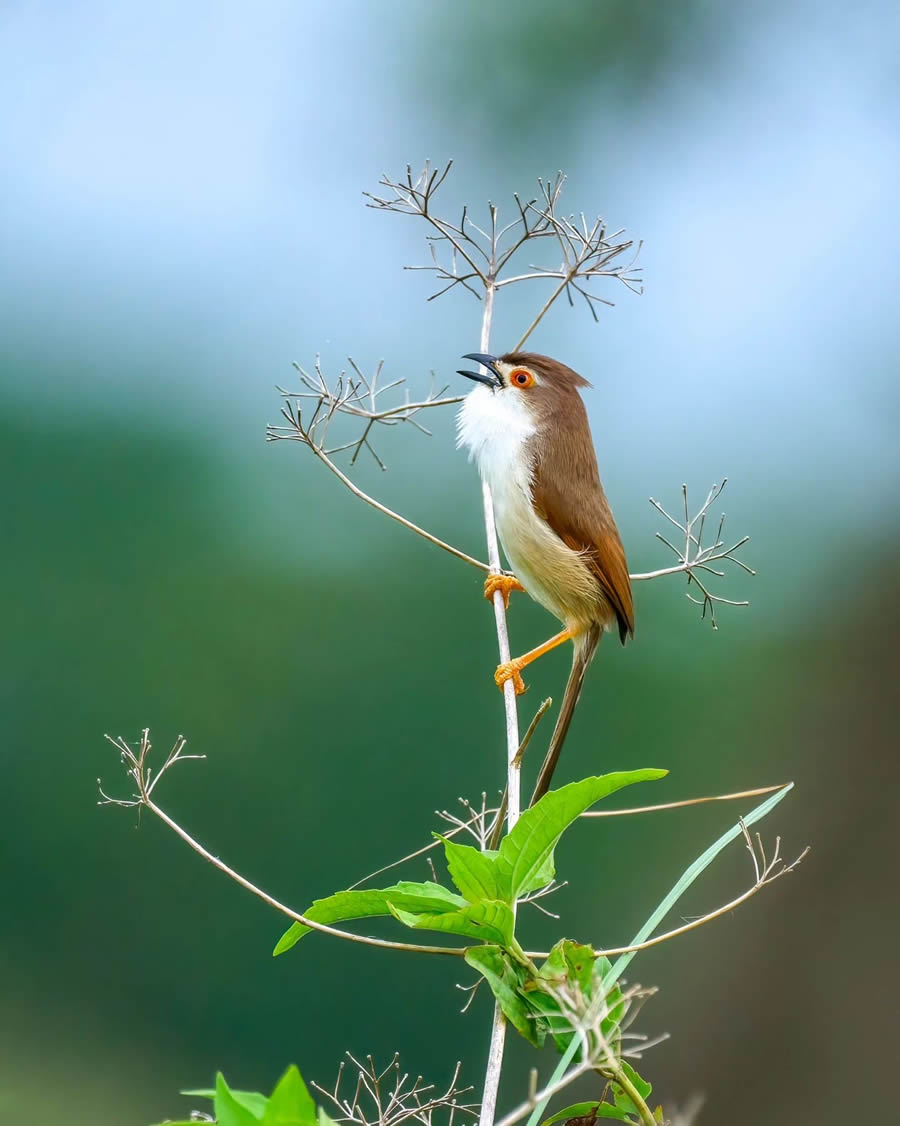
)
(498, 1028)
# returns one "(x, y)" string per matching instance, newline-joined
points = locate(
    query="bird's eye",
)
(521, 377)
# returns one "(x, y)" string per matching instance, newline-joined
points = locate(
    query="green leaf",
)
(251, 1100)
(290, 1104)
(571, 965)
(541, 878)
(587, 1110)
(488, 921)
(505, 981)
(228, 1111)
(325, 1119)
(622, 1098)
(526, 849)
(474, 872)
(576, 1110)
(369, 902)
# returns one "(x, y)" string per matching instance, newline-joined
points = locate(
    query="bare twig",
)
(460, 827)
(137, 769)
(477, 256)
(390, 1096)
(684, 802)
(694, 557)
(475, 823)
(357, 396)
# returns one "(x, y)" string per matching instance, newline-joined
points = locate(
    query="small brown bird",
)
(526, 428)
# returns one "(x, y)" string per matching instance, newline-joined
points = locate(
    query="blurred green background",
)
(181, 219)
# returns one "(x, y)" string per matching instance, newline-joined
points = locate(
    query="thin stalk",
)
(632, 1092)
(383, 508)
(537, 320)
(498, 1027)
(283, 908)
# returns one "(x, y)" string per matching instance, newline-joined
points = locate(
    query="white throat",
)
(494, 426)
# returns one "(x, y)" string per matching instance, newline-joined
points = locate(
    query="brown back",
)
(567, 492)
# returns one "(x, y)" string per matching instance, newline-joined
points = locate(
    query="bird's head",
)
(536, 379)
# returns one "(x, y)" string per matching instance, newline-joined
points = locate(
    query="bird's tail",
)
(585, 647)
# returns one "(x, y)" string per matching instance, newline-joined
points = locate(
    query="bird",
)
(526, 428)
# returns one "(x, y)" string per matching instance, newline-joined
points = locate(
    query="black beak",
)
(493, 380)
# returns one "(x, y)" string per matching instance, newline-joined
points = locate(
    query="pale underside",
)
(497, 428)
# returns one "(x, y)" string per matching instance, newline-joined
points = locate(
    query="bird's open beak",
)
(493, 380)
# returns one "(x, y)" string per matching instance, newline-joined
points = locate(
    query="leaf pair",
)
(490, 882)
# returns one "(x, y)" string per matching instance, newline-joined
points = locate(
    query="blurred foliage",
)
(541, 62)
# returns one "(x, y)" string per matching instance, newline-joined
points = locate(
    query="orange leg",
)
(512, 670)
(506, 584)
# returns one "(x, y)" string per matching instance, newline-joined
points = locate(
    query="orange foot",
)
(511, 670)
(503, 582)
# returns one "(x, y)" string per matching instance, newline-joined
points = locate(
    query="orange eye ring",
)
(521, 377)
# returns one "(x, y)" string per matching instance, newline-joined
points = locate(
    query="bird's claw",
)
(505, 582)
(510, 670)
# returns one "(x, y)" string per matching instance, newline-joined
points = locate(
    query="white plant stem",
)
(498, 1028)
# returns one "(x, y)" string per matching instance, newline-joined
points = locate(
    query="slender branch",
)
(685, 802)
(523, 746)
(642, 576)
(139, 772)
(304, 434)
(283, 908)
(543, 310)
(498, 1025)
(425, 848)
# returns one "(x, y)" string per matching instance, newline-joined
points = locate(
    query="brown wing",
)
(565, 466)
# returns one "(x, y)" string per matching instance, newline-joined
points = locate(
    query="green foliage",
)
(574, 989)
(290, 1104)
